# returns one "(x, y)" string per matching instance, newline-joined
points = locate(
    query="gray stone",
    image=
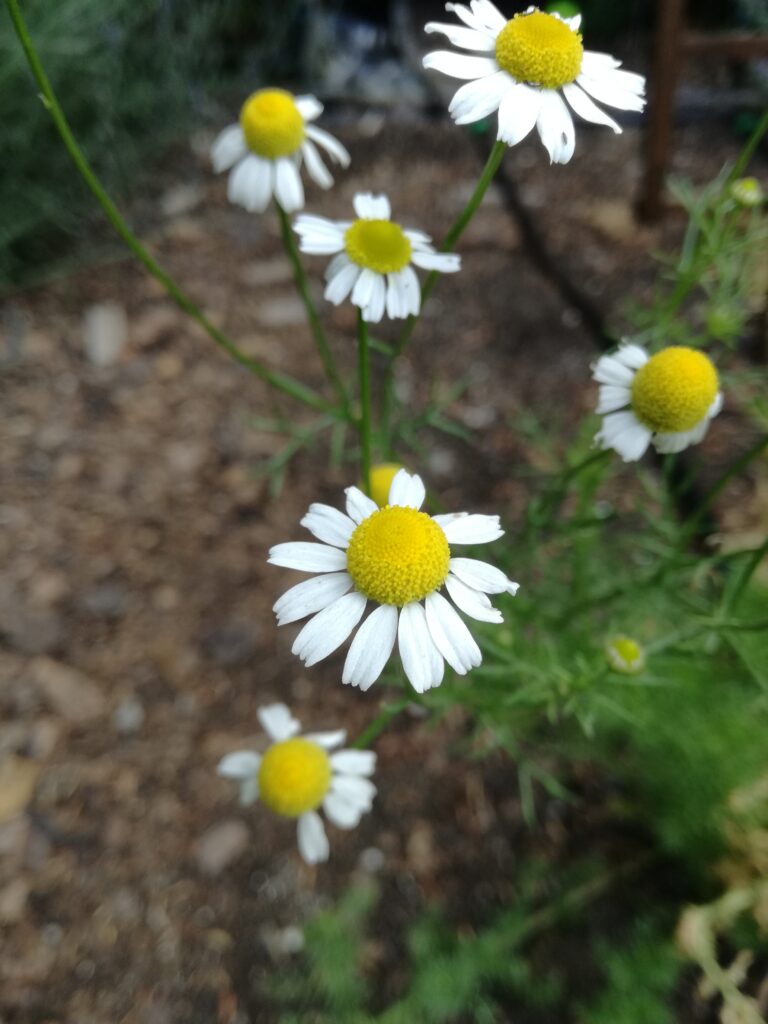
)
(221, 845)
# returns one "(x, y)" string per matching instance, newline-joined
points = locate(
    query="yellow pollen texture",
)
(540, 49)
(673, 391)
(398, 555)
(378, 245)
(272, 124)
(381, 480)
(294, 776)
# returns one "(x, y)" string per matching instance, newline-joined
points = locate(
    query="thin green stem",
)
(364, 427)
(748, 151)
(454, 233)
(379, 724)
(315, 325)
(282, 382)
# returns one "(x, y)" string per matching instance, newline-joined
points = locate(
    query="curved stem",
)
(364, 367)
(315, 325)
(282, 382)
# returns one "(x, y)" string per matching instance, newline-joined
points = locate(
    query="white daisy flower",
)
(399, 558)
(667, 399)
(529, 64)
(372, 258)
(625, 655)
(267, 146)
(297, 774)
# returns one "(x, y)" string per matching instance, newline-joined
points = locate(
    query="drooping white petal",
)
(480, 97)
(308, 106)
(371, 647)
(311, 596)
(336, 265)
(459, 65)
(327, 740)
(361, 293)
(597, 64)
(410, 290)
(370, 207)
(464, 14)
(585, 107)
(466, 38)
(397, 298)
(329, 628)
(359, 505)
(670, 443)
(407, 489)
(251, 184)
(278, 722)
(341, 812)
(613, 397)
(354, 762)
(555, 126)
(313, 842)
(307, 557)
(331, 145)
(472, 602)
(315, 166)
(623, 432)
(354, 789)
(373, 310)
(249, 791)
(518, 111)
(241, 764)
(343, 281)
(422, 661)
(606, 90)
(229, 147)
(450, 635)
(489, 15)
(328, 524)
(443, 262)
(461, 528)
(482, 576)
(289, 191)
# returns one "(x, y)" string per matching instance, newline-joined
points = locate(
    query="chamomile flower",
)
(372, 258)
(267, 146)
(530, 65)
(625, 655)
(748, 192)
(666, 399)
(399, 559)
(298, 774)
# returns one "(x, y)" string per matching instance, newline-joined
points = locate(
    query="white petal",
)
(461, 528)
(397, 298)
(443, 262)
(555, 126)
(421, 660)
(329, 629)
(623, 432)
(472, 602)
(451, 636)
(463, 12)
(518, 112)
(613, 397)
(608, 91)
(315, 166)
(278, 722)
(371, 648)
(289, 192)
(466, 38)
(359, 505)
(241, 764)
(336, 265)
(311, 596)
(327, 740)
(633, 356)
(251, 184)
(328, 524)
(307, 557)
(671, 443)
(318, 228)
(417, 238)
(308, 106)
(228, 148)
(407, 490)
(342, 813)
(482, 576)
(370, 207)
(354, 762)
(249, 791)
(595, 65)
(585, 108)
(488, 15)
(313, 842)
(354, 789)
(363, 289)
(458, 65)
(374, 309)
(342, 283)
(480, 97)
(331, 145)
(410, 290)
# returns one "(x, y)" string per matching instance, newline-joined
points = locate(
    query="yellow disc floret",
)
(378, 245)
(539, 48)
(625, 655)
(294, 776)
(673, 391)
(381, 480)
(272, 124)
(398, 555)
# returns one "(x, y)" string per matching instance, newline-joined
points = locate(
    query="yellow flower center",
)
(673, 391)
(272, 124)
(540, 49)
(379, 245)
(294, 776)
(398, 555)
(625, 655)
(381, 480)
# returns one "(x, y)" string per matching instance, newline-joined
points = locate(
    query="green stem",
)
(379, 724)
(364, 367)
(747, 152)
(300, 277)
(454, 233)
(282, 382)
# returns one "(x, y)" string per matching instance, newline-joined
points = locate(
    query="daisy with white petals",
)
(298, 774)
(399, 559)
(667, 399)
(266, 149)
(372, 258)
(530, 66)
